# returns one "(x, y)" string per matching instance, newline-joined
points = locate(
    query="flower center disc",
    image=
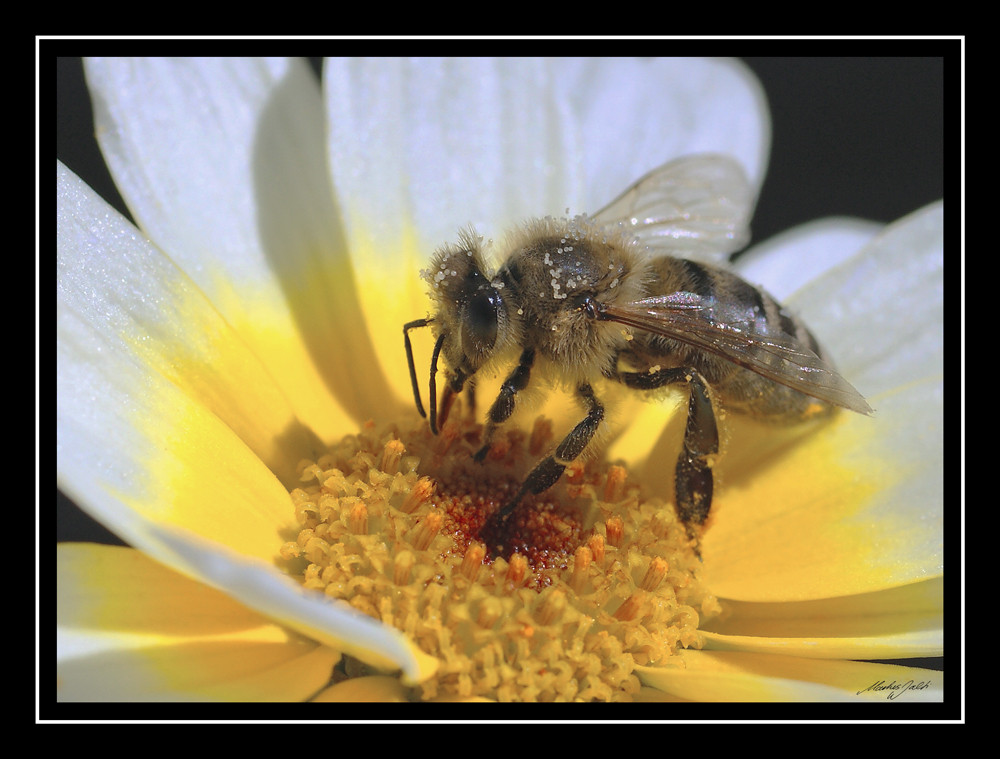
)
(593, 578)
(538, 530)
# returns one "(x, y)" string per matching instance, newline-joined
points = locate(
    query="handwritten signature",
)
(894, 689)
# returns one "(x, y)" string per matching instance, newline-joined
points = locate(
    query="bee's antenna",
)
(432, 385)
(409, 359)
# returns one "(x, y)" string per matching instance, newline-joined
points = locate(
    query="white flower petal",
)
(178, 136)
(791, 260)
(143, 449)
(888, 305)
(187, 468)
(129, 319)
(220, 163)
(436, 145)
(881, 312)
(638, 114)
(409, 138)
(264, 588)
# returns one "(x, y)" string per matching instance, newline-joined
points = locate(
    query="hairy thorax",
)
(554, 264)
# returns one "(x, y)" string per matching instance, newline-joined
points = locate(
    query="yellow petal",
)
(731, 676)
(890, 624)
(131, 629)
(376, 688)
(820, 516)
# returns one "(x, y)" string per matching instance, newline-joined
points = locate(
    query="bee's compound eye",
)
(479, 325)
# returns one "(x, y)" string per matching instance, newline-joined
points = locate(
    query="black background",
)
(860, 136)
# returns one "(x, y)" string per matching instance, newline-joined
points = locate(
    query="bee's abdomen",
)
(739, 300)
(736, 302)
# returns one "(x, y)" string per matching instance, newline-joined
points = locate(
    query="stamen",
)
(473, 561)
(426, 530)
(581, 564)
(630, 608)
(402, 567)
(614, 487)
(655, 574)
(357, 519)
(596, 545)
(499, 449)
(419, 494)
(551, 607)
(490, 610)
(615, 531)
(517, 569)
(391, 455)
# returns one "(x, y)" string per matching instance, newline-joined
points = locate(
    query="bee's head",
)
(470, 319)
(470, 315)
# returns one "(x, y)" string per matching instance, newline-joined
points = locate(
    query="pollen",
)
(599, 577)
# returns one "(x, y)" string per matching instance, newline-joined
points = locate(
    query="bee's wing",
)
(698, 206)
(691, 319)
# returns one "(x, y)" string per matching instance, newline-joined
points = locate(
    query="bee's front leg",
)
(503, 406)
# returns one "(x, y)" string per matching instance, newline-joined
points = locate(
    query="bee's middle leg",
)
(694, 481)
(550, 469)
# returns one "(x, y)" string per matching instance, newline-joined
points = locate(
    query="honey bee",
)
(629, 294)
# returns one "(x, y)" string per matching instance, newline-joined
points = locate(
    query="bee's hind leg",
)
(694, 479)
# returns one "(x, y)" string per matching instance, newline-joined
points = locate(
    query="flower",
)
(254, 322)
